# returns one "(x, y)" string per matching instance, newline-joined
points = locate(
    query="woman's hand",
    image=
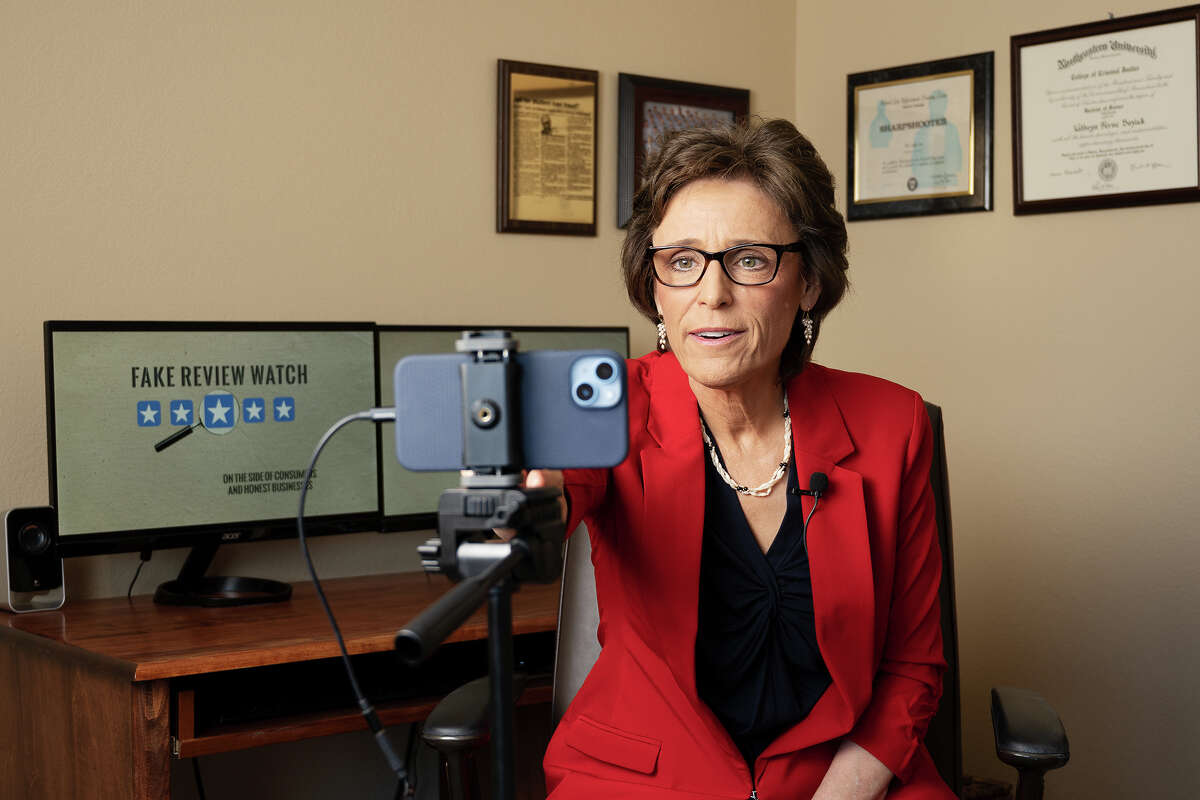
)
(537, 479)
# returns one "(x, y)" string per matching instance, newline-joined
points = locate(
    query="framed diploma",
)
(650, 108)
(919, 139)
(546, 149)
(1105, 114)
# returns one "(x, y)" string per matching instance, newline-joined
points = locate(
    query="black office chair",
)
(1029, 735)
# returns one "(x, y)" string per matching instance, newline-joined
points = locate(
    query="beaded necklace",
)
(764, 489)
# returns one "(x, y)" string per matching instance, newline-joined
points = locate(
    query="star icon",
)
(149, 415)
(253, 412)
(218, 412)
(182, 414)
(283, 410)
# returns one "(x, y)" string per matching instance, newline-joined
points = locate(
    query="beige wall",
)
(1063, 350)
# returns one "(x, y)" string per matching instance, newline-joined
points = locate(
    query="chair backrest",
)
(944, 737)
(576, 648)
(578, 617)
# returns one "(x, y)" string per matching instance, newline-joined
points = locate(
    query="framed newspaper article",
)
(650, 108)
(1105, 114)
(546, 149)
(920, 138)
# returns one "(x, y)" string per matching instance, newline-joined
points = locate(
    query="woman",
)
(744, 655)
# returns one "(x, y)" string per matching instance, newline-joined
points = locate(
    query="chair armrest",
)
(1029, 734)
(462, 720)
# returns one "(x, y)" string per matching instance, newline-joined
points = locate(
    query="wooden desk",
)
(95, 699)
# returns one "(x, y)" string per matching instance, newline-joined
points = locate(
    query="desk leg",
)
(151, 740)
(76, 726)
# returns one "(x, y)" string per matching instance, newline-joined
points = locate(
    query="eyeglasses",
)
(744, 264)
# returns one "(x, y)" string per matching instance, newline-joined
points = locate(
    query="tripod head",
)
(466, 514)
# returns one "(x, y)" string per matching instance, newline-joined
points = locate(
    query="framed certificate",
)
(546, 149)
(1105, 114)
(919, 139)
(650, 108)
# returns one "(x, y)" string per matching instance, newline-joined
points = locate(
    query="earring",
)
(662, 336)
(807, 322)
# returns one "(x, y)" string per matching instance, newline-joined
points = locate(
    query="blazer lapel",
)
(840, 562)
(673, 518)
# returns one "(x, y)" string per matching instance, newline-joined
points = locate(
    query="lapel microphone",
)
(818, 485)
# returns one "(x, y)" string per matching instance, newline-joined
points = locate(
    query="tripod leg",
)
(500, 656)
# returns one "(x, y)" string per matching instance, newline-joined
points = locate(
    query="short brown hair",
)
(783, 163)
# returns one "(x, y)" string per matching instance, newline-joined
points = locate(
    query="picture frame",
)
(920, 138)
(1107, 114)
(547, 146)
(649, 108)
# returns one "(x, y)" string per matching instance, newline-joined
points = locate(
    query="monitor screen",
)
(410, 498)
(166, 434)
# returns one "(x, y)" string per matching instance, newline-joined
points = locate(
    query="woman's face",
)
(725, 334)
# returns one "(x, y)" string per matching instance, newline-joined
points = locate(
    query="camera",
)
(595, 382)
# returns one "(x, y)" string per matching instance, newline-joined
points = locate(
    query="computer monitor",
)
(410, 499)
(170, 434)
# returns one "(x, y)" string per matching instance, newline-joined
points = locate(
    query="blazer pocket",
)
(613, 746)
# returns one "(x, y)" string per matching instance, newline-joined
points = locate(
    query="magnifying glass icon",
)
(218, 414)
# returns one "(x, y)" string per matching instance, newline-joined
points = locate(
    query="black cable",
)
(404, 786)
(145, 556)
(368, 711)
(407, 786)
(804, 529)
(199, 781)
(415, 730)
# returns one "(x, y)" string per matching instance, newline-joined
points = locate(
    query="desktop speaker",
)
(32, 575)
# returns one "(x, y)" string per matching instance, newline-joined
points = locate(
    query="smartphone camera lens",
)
(596, 381)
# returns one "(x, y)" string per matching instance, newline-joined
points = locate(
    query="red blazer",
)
(637, 727)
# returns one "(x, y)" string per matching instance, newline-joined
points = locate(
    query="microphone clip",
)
(818, 485)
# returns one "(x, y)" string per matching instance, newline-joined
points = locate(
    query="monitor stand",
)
(194, 588)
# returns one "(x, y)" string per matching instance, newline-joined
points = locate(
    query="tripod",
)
(489, 496)
(493, 570)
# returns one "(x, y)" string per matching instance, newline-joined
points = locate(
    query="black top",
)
(758, 666)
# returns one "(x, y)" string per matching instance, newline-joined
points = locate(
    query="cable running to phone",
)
(368, 711)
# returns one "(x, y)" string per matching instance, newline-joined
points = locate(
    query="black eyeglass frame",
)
(719, 257)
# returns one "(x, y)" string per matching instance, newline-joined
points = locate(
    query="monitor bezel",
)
(427, 520)
(142, 539)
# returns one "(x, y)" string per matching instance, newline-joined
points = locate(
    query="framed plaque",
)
(546, 153)
(650, 108)
(919, 138)
(1105, 114)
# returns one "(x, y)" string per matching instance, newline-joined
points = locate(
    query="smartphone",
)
(572, 406)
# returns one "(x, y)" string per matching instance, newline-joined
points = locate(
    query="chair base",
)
(985, 789)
